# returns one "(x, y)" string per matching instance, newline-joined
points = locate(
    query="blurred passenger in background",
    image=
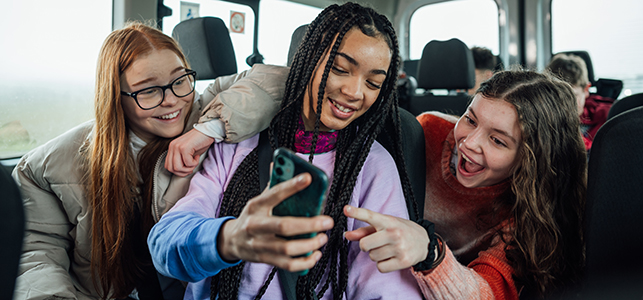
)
(592, 109)
(486, 65)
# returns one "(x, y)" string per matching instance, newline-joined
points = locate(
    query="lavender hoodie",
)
(183, 242)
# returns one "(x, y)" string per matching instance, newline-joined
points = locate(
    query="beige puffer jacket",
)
(57, 247)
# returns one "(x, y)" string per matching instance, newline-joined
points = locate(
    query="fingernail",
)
(300, 177)
(349, 208)
(323, 239)
(327, 223)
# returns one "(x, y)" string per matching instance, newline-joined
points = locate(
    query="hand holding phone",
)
(305, 203)
(252, 236)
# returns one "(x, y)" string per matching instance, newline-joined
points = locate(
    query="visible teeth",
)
(169, 116)
(343, 109)
(467, 159)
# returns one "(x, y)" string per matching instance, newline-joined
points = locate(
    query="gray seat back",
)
(445, 65)
(206, 43)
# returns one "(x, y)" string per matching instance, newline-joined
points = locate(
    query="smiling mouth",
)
(341, 108)
(169, 116)
(469, 166)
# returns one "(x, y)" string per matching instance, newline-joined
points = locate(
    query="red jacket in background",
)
(593, 117)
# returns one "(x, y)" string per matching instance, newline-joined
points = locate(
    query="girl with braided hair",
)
(506, 190)
(222, 238)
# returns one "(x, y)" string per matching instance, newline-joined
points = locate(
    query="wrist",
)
(224, 243)
(434, 248)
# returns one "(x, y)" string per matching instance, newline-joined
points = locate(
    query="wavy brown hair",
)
(120, 203)
(546, 246)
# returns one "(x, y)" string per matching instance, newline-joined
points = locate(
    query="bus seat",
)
(445, 65)
(414, 156)
(12, 227)
(410, 67)
(295, 40)
(207, 45)
(625, 104)
(614, 208)
(407, 82)
(605, 87)
(609, 88)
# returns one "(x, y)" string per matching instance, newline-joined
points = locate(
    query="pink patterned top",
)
(326, 140)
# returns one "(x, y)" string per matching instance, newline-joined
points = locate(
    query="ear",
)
(586, 90)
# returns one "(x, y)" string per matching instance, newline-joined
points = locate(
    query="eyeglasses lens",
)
(153, 96)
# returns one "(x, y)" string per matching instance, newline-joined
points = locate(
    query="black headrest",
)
(625, 104)
(295, 40)
(614, 206)
(207, 45)
(588, 62)
(446, 65)
(411, 67)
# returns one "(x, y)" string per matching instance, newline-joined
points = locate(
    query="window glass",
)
(611, 32)
(241, 16)
(276, 29)
(474, 22)
(48, 58)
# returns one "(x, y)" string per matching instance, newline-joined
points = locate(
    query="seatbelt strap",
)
(264, 156)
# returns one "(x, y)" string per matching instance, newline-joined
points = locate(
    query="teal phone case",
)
(307, 202)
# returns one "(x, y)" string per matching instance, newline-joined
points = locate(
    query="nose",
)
(352, 88)
(170, 99)
(473, 141)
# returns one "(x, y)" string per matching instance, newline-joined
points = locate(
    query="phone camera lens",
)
(281, 160)
(279, 171)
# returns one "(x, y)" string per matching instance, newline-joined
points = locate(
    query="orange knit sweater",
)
(456, 212)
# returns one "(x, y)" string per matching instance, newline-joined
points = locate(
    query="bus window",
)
(48, 61)
(474, 22)
(611, 32)
(276, 28)
(240, 16)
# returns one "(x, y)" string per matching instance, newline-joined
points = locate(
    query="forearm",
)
(245, 103)
(183, 245)
(452, 280)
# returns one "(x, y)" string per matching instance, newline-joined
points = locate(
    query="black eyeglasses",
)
(152, 97)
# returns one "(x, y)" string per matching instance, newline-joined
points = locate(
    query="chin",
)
(171, 134)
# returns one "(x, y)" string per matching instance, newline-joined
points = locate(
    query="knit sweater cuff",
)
(436, 252)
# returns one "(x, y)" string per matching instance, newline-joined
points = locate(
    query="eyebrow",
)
(355, 63)
(146, 80)
(496, 129)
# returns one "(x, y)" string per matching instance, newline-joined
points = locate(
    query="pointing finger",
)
(378, 221)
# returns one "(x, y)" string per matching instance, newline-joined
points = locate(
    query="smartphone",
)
(305, 203)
